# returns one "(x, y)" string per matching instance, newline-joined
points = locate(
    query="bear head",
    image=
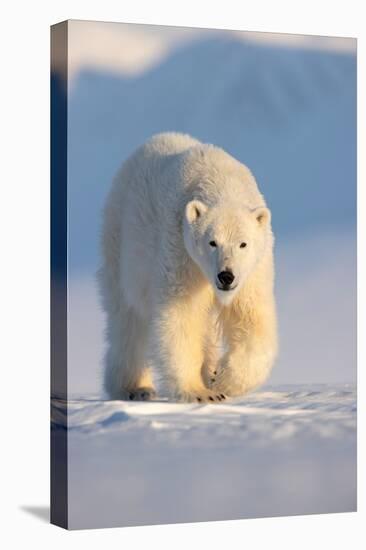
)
(226, 241)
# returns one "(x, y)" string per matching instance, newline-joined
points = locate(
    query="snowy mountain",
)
(289, 114)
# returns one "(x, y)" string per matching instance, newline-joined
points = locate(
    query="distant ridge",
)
(289, 114)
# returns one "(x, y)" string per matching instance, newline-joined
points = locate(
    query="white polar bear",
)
(187, 266)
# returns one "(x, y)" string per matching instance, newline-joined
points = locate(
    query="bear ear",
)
(262, 215)
(194, 210)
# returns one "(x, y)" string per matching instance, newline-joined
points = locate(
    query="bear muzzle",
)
(226, 279)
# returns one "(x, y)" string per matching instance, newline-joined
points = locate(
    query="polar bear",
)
(187, 275)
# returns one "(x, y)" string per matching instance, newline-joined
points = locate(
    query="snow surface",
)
(281, 451)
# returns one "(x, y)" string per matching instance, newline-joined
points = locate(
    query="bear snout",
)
(226, 278)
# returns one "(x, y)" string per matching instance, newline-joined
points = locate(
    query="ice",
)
(280, 451)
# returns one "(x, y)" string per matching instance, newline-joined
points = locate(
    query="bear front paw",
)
(141, 394)
(201, 396)
(221, 382)
(211, 398)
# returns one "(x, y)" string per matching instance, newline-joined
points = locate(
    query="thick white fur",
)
(165, 313)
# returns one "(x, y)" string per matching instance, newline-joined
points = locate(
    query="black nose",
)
(226, 278)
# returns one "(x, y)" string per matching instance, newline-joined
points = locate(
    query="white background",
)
(24, 286)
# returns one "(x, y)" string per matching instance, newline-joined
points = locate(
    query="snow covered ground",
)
(281, 451)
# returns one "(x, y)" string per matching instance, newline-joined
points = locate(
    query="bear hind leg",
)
(127, 374)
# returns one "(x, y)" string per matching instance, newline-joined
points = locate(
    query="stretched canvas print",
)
(203, 296)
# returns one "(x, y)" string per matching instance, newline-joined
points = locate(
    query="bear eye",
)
(212, 243)
(243, 245)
